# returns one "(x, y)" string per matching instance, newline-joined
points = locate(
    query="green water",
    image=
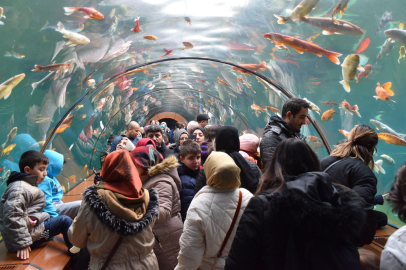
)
(216, 30)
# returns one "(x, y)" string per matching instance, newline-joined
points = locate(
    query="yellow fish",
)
(83, 116)
(85, 168)
(7, 86)
(8, 149)
(402, 53)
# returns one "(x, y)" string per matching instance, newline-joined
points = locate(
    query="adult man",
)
(294, 113)
(154, 132)
(202, 120)
(191, 125)
(132, 133)
(178, 126)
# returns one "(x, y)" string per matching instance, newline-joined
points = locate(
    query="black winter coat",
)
(306, 225)
(202, 180)
(165, 151)
(274, 132)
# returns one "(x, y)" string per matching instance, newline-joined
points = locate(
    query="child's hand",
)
(24, 253)
(33, 220)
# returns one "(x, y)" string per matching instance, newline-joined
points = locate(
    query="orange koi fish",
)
(187, 45)
(257, 108)
(302, 46)
(137, 27)
(241, 47)
(344, 132)
(363, 45)
(85, 168)
(328, 115)
(286, 60)
(52, 67)
(392, 139)
(383, 92)
(62, 128)
(68, 120)
(72, 178)
(222, 82)
(251, 67)
(167, 52)
(348, 109)
(314, 139)
(272, 109)
(90, 12)
(150, 37)
(368, 70)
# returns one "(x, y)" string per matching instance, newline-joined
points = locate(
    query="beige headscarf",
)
(221, 171)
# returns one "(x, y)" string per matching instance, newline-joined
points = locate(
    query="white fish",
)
(74, 38)
(349, 70)
(51, 76)
(1, 15)
(313, 106)
(386, 129)
(378, 167)
(7, 86)
(385, 49)
(388, 160)
(101, 125)
(70, 147)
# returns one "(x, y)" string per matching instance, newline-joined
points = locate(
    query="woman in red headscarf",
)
(146, 142)
(117, 217)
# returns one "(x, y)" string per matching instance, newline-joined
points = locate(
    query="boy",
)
(53, 189)
(190, 155)
(22, 224)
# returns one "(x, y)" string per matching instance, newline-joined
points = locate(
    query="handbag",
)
(230, 229)
(106, 263)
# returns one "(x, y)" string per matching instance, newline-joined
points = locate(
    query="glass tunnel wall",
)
(76, 67)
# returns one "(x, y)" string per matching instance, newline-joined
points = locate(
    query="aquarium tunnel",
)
(70, 77)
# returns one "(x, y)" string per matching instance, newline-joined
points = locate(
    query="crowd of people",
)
(204, 196)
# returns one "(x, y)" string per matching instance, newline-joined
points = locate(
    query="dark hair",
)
(369, 260)
(294, 105)
(397, 195)
(166, 140)
(153, 128)
(32, 158)
(342, 141)
(179, 125)
(210, 133)
(292, 157)
(189, 147)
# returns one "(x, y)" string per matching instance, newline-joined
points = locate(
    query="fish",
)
(363, 45)
(340, 7)
(328, 115)
(314, 139)
(365, 73)
(8, 149)
(344, 132)
(386, 129)
(348, 109)
(51, 76)
(331, 103)
(90, 12)
(52, 67)
(150, 37)
(383, 92)
(7, 86)
(349, 70)
(188, 20)
(222, 82)
(1, 169)
(113, 26)
(14, 54)
(252, 67)
(83, 116)
(137, 27)
(388, 160)
(313, 106)
(74, 38)
(10, 136)
(383, 21)
(257, 108)
(398, 35)
(329, 27)
(6, 175)
(62, 128)
(71, 146)
(302, 46)
(166, 76)
(167, 52)
(106, 91)
(246, 83)
(72, 178)
(301, 10)
(385, 48)
(392, 139)
(80, 107)
(2, 15)
(85, 168)
(286, 60)
(272, 109)
(402, 53)
(187, 45)
(378, 167)
(313, 37)
(240, 47)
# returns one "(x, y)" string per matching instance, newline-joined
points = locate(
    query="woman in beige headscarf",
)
(210, 215)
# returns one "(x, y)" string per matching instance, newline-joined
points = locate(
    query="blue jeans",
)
(53, 227)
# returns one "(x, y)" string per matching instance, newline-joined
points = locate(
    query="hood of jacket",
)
(169, 167)
(24, 142)
(55, 163)
(279, 122)
(115, 224)
(18, 176)
(317, 206)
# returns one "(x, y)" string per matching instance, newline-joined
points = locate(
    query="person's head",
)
(292, 157)
(190, 155)
(397, 195)
(369, 260)
(142, 131)
(191, 125)
(199, 132)
(221, 171)
(227, 139)
(210, 133)
(152, 122)
(294, 113)
(202, 120)
(179, 125)
(180, 137)
(166, 140)
(133, 130)
(361, 143)
(249, 143)
(56, 162)
(125, 144)
(34, 163)
(249, 131)
(146, 142)
(154, 132)
(145, 158)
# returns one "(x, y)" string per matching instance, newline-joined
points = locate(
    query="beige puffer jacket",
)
(99, 229)
(165, 180)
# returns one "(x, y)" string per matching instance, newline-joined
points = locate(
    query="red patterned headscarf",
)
(144, 142)
(146, 157)
(120, 175)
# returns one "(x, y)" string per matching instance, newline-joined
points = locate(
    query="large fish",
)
(388, 160)
(349, 69)
(328, 115)
(392, 139)
(329, 27)
(398, 35)
(366, 72)
(384, 20)
(386, 129)
(341, 7)
(301, 10)
(302, 46)
(74, 38)
(385, 48)
(1, 15)
(7, 86)
(10, 136)
(313, 106)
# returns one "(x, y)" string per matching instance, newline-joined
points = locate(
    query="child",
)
(53, 190)
(22, 224)
(190, 155)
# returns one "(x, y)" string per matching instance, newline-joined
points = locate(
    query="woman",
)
(249, 144)
(199, 132)
(165, 179)
(394, 255)
(146, 142)
(180, 137)
(118, 209)
(125, 144)
(298, 219)
(207, 224)
(207, 145)
(227, 141)
(348, 166)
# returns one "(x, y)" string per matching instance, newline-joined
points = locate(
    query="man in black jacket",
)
(294, 113)
(154, 132)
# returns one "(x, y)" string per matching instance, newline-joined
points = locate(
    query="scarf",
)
(221, 171)
(176, 136)
(227, 141)
(146, 157)
(144, 142)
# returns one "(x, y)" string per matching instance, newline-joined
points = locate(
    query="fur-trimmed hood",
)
(168, 167)
(115, 224)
